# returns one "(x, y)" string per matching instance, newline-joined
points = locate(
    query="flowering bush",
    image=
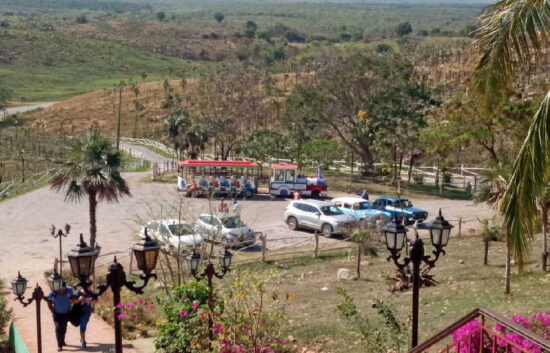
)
(539, 323)
(253, 320)
(185, 325)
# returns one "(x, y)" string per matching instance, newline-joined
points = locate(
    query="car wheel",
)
(292, 223)
(316, 194)
(327, 230)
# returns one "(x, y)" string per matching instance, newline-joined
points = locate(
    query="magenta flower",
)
(119, 306)
(217, 329)
(122, 316)
(183, 314)
(195, 306)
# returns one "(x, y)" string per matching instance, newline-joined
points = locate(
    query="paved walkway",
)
(99, 335)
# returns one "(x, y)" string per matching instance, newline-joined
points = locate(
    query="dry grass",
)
(100, 108)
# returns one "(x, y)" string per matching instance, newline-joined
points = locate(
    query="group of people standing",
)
(68, 305)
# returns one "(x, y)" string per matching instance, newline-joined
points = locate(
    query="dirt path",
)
(28, 108)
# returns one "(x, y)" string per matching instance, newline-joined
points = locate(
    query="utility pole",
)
(120, 88)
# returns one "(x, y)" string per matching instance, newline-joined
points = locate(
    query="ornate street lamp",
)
(19, 286)
(55, 281)
(60, 234)
(440, 231)
(82, 260)
(194, 260)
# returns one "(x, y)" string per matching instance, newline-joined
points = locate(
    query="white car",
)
(225, 228)
(174, 234)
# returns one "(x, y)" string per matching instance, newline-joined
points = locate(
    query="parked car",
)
(400, 208)
(317, 215)
(225, 228)
(361, 209)
(173, 233)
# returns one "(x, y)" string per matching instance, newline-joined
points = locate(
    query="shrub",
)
(182, 328)
(447, 178)
(383, 48)
(468, 337)
(383, 170)
(218, 16)
(403, 29)
(418, 178)
(5, 312)
(293, 36)
(82, 19)
(380, 333)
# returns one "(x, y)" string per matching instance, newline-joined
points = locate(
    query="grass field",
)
(52, 66)
(463, 285)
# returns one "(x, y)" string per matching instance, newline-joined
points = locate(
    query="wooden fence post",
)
(263, 237)
(131, 266)
(459, 227)
(316, 249)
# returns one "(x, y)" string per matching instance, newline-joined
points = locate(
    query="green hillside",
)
(47, 65)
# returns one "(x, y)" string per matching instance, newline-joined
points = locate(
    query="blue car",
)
(401, 208)
(361, 209)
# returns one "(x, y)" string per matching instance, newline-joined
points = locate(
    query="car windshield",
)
(180, 229)
(233, 222)
(361, 206)
(331, 210)
(402, 203)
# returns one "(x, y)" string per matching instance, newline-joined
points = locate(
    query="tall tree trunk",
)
(486, 253)
(544, 211)
(411, 163)
(92, 198)
(507, 270)
(359, 254)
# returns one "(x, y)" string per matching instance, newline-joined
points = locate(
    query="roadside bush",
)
(418, 178)
(82, 19)
(182, 330)
(383, 170)
(5, 312)
(447, 178)
(381, 332)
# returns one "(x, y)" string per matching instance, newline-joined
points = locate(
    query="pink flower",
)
(183, 314)
(202, 315)
(119, 306)
(217, 329)
(133, 316)
(195, 306)
(122, 316)
(185, 297)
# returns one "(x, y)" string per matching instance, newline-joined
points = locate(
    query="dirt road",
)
(25, 221)
(28, 108)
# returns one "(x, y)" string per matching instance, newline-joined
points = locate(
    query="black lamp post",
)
(210, 272)
(60, 234)
(19, 286)
(395, 233)
(82, 259)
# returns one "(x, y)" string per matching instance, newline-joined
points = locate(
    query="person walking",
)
(84, 308)
(59, 303)
(237, 207)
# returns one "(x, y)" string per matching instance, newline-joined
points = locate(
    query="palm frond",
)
(529, 179)
(513, 33)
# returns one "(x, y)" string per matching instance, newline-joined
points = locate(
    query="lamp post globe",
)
(19, 285)
(194, 261)
(440, 231)
(225, 259)
(395, 233)
(146, 252)
(55, 281)
(82, 259)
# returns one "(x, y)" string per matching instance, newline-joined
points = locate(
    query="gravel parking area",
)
(25, 221)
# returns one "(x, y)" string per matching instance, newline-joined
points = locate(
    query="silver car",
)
(228, 229)
(317, 215)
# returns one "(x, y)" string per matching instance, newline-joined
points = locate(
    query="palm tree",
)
(194, 141)
(176, 127)
(513, 36)
(91, 169)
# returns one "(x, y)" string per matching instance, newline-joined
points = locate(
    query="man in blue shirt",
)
(59, 303)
